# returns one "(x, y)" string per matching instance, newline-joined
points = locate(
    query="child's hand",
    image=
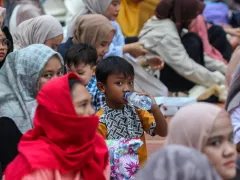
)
(156, 63)
(150, 96)
(137, 49)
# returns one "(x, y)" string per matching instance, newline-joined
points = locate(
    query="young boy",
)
(115, 77)
(81, 59)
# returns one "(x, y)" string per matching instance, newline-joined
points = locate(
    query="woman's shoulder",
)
(157, 27)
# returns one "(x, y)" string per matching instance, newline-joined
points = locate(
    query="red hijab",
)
(181, 12)
(60, 140)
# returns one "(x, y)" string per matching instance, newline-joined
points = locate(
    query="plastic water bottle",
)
(140, 101)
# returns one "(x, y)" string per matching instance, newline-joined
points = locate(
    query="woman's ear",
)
(101, 87)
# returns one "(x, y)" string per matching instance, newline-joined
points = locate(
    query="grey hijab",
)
(19, 79)
(175, 162)
(89, 7)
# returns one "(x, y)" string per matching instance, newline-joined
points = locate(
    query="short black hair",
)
(111, 65)
(81, 53)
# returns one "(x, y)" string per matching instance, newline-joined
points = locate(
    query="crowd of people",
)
(63, 86)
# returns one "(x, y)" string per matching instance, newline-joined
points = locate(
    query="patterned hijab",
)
(181, 12)
(19, 79)
(36, 31)
(91, 29)
(192, 125)
(175, 162)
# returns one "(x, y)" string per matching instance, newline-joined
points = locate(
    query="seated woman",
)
(40, 30)
(207, 128)
(64, 137)
(185, 63)
(175, 162)
(21, 77)
(21, 10)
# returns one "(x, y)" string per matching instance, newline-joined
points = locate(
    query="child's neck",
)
(114, 105)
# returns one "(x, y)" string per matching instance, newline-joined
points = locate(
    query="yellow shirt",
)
(128, 17)
(127, 123)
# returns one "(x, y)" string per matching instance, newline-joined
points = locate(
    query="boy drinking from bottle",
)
(118, 119)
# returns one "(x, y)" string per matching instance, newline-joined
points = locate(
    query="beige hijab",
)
(36, 31)
(91, 29)
(193, 125)
(233, 64)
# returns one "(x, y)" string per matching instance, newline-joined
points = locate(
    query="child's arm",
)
(161, 128)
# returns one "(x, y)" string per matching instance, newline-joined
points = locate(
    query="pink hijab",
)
(200, 28)
(192, 125)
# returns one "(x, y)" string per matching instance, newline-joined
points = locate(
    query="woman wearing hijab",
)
(64, 137)
(175, 162)
(184, 58)
(93, 29)
(21, 10)
(6, 45)
(40, 30)
(207, 128)
(21, 77)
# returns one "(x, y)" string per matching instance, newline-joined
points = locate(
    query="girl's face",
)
(82, 100)
(113, 10)
(52, 69)
(102, 47)
(54, 42)
(221, 150)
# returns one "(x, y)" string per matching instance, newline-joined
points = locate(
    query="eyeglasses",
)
(5, 43)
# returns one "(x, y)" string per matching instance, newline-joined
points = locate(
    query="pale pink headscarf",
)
(192, 125)
(232, 66)
(200, 28)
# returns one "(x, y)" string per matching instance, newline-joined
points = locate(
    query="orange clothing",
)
(147, 122)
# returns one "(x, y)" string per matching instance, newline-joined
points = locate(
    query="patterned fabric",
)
(123, 123)
(19, 78)
(124, 158)
(98, 98)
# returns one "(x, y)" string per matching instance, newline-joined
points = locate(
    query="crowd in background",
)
(65, 69)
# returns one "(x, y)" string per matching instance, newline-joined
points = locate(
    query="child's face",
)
(84, 71)
(113, 10)
(102, 47)
(82, 101)
(114, 89)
